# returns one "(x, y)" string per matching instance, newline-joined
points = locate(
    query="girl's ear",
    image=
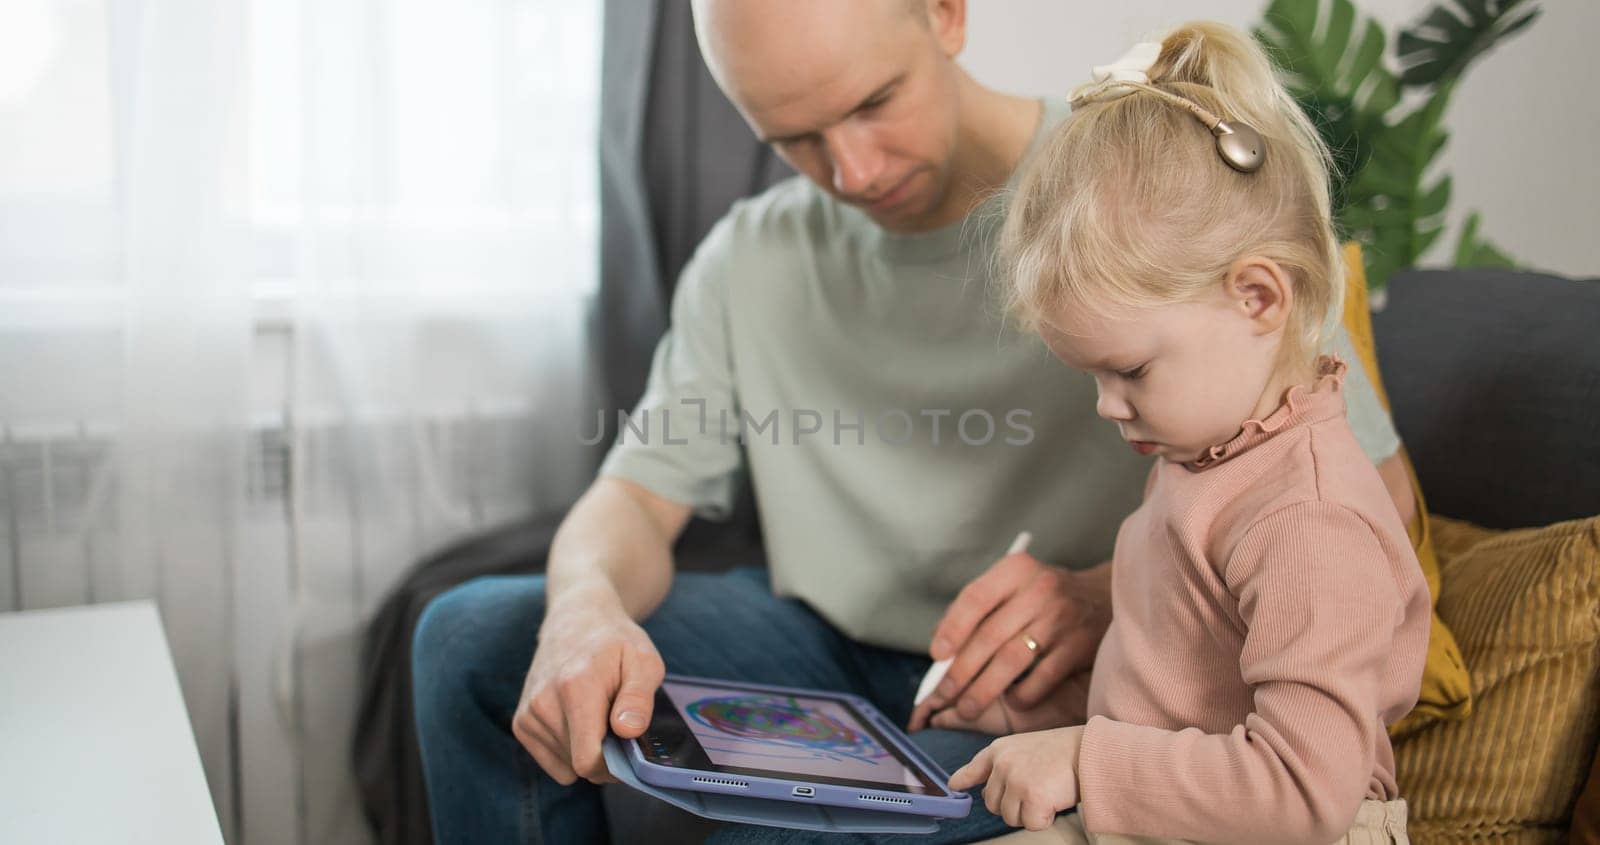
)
(1261, 291)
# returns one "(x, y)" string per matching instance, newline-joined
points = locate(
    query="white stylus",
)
(936, 672)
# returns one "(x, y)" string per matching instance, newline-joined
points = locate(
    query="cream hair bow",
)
(1134, 66)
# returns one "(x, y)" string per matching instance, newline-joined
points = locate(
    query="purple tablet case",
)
(766, 811)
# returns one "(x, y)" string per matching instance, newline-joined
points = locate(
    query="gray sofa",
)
(1494, 376)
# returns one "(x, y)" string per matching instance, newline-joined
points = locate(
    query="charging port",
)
(804, 792)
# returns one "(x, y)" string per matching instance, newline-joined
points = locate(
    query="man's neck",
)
(992, 132)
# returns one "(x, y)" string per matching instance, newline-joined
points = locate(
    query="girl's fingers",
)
(1011, 808)
(1037, 817)
(992, 795)
(973, 773)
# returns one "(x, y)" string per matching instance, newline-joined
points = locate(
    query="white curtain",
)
(290, 293)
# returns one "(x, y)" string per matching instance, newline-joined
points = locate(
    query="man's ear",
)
(1261, 291)
(948, 21)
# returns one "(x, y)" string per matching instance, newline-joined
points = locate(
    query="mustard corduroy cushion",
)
(1446, 693)
(1586, 814)
(1525, 608)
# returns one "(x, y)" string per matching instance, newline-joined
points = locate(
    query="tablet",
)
(790, 745)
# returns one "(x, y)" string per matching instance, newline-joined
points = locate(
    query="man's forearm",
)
(616, 545)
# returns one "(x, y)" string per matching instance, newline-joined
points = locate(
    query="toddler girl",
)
(1269, 618)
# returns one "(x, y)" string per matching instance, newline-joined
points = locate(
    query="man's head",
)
(860, 96)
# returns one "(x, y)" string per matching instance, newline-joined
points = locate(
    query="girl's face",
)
(1178, 378)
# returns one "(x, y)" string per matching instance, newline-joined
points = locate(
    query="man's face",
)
(858, 95)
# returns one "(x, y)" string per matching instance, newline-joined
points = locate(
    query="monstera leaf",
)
(1473, 251)
(1391, 205)
(1439, 49)
(1336, 74)
(1384, 191)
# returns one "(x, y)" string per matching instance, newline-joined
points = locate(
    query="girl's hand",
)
(1031, 776)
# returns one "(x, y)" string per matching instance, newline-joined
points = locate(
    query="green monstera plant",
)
(1386, 193)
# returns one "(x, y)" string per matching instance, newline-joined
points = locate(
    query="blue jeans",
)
(472, 651)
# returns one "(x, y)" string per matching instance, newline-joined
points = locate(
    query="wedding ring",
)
(1030, 642)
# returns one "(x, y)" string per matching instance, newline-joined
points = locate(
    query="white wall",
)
(1523, 122)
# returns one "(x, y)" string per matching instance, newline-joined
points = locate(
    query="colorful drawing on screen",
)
(784, 722)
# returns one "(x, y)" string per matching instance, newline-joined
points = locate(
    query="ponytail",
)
(1128, 202)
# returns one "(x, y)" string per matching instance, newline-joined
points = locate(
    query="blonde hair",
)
(1128, 203)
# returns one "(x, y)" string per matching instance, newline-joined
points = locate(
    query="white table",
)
(95, 744)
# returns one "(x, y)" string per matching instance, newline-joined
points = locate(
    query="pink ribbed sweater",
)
(1269, 620)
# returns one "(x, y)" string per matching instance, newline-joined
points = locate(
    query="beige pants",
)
(1377, 823)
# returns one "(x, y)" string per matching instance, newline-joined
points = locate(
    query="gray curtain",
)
(673, 156)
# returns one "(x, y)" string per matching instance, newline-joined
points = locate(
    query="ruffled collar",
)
(1324, 400)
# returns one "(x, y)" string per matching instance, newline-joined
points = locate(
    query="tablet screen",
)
(756, 732)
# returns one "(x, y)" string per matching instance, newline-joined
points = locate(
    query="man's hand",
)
(1067, 704)
(1031, 776)
(988, 626)
(594, 668)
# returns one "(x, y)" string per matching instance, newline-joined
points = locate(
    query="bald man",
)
(836, 337)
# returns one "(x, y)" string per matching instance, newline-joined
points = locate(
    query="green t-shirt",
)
(898, 431)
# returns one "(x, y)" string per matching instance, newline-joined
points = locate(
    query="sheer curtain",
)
(290, 292)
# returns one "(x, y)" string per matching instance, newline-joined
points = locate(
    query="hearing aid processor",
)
(1239, 145)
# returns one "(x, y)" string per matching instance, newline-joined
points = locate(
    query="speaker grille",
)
(738, 784)
(884, 799)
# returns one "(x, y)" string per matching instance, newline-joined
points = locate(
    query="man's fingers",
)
(1004, 626)
(537, 743)
(993, 721)
(1074, 653)
(1053, 667)
(920, 717)
(642, 673)
(554, 764)
(1007, 665)
(977, 599)
(584, 703)
(545, 710)
(1011, 619)
(950, 720)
